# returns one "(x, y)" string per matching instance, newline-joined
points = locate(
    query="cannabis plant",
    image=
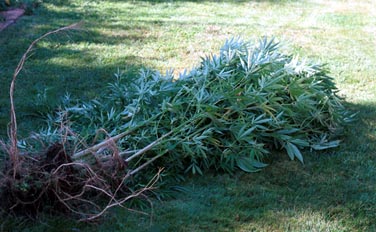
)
(229, 112)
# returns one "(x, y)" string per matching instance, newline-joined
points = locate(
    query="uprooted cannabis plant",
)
(229, 112)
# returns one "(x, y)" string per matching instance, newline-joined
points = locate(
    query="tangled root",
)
(53, 183)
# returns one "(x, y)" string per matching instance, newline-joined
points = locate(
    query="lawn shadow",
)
(333, 190)
(52, 71)
(64, 62)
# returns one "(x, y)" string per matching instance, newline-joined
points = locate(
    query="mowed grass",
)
(333, 191)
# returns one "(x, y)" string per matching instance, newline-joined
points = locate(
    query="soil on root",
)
(53, 183)
(34, 187)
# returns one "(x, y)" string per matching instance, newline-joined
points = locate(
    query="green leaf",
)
(249, 165)
(300, 142)
(243, 133)
(293, 151)
(326, 145)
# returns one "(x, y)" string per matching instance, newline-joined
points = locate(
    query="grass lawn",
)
(333, 191)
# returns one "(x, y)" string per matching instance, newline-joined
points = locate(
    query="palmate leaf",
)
(194, 168)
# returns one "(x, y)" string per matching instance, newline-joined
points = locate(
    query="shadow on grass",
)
(332, 191)
(61, 63)
(41, 92)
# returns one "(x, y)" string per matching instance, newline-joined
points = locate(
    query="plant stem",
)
(13, 151)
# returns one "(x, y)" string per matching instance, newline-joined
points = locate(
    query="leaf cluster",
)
(229, 112)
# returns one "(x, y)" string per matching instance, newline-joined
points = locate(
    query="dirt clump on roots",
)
(52, 183)
(39, 182)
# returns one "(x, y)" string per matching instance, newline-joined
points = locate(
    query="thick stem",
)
(147, 148)
(104, 143)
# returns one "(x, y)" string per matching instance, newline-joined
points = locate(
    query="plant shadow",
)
(333, 190)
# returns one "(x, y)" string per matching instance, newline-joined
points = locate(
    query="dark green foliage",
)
(3, 7)
(230, 111)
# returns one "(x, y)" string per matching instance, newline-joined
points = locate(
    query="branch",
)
(96, 147)
(13, 150)
(147, 148)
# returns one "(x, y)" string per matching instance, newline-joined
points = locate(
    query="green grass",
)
(333, 191)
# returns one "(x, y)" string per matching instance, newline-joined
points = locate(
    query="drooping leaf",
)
(293, 151)
(248, 164)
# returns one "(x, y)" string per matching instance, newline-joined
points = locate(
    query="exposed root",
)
(53, 183)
